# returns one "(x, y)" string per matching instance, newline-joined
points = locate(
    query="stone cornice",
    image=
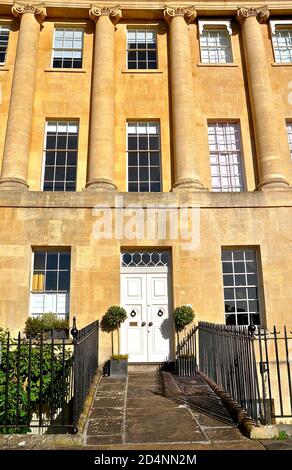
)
(260, 13)
(188, 13)
(37, 9)
(114, 13)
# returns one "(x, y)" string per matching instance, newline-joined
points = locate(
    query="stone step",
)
(144, 367)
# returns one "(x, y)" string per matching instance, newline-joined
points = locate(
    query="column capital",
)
(37, 9)
(114, 13)
(188, 13)
(260, 13)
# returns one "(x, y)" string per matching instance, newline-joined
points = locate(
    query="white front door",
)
(146, 333)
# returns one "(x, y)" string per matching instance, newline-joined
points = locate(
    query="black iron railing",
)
(186, 354)
(44, 382)
(227, 357)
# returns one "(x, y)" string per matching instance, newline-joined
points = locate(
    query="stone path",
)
(150, 409)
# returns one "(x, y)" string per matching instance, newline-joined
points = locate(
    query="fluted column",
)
(100, 175)
(19, 124)
(183, 100)
(271, 164)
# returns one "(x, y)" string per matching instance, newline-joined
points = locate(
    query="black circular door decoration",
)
(160, 313)
(133, 313)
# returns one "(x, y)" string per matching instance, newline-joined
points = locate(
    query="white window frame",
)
(216, 26)
(50, 121)
(145, 122)
(55, 296)
(6, 26)
(240, 163)
(257, 286)
(69, 27)
(289, 135)
(274, 26)
(142, 27)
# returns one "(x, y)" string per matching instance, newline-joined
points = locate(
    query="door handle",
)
(150, 323)
(143, 323)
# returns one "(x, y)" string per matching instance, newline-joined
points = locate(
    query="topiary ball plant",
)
(114, 316)
(182, 317)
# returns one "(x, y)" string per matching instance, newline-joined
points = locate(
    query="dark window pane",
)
(64, 280)
(153, 143)
(133, 187)
(72, 142)
(57, 63)
(154, 158)
(152, 45)
(142, 65)
(51, 280)
(240, 292)
(239, 267)
(71, 173)
(143, 143)
(39, 261)
(226, 256)
(71, 158)
(132, 143)
(50, 158)
(253, 306)
(228, 294)
(49, 173)
(252, 292)
(229, 307)
(143, 158)
(132, 45)
(52, 261)
(70, 186)
(228, 280)
(132, 55)
(60, 173)
(77, 63)
(250, 255)
(48, 186)
(133, 173)
(59, 186)
(242, 319)
(155, 173)
(240, 280)
(227, 268)
(61, 142)
(143, 173)
(230, 319)
(251, 267)
(155, 187)
(61, 158)
(51, 142)
(144, 187)
(241, 306)
(142, 55)
(141, 45)
(152, 65)
(152, 55)
(255, 319)
(64, 261)
(132, 65)
(67, 64)
(132, 159)
(238, 255)
(252, 279)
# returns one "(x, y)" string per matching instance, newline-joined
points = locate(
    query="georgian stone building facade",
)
(146, 161)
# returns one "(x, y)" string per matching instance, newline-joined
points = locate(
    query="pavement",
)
(152, 411)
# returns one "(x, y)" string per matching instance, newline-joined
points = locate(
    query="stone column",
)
(100, 175)
(19, 124)
(271, 164)
(183, 100)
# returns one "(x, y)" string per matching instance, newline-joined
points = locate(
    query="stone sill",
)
(3, 69)
(201, 64)
(142, 71)
(66, 70)
(89, 199)
(281, 64)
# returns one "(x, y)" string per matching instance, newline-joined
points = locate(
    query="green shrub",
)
(52, 373)
(34, 326)
(182, 317)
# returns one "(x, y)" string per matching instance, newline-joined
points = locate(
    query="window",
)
(282, 40)
(241, 287)
(67, 49)
(61, 150)
(143, 157)
(225, 157)
(51, 282)
(215, 42)
(141, 49)
(4, 36)
(289, 133)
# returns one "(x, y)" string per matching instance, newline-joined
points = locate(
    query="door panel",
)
(158, 316)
